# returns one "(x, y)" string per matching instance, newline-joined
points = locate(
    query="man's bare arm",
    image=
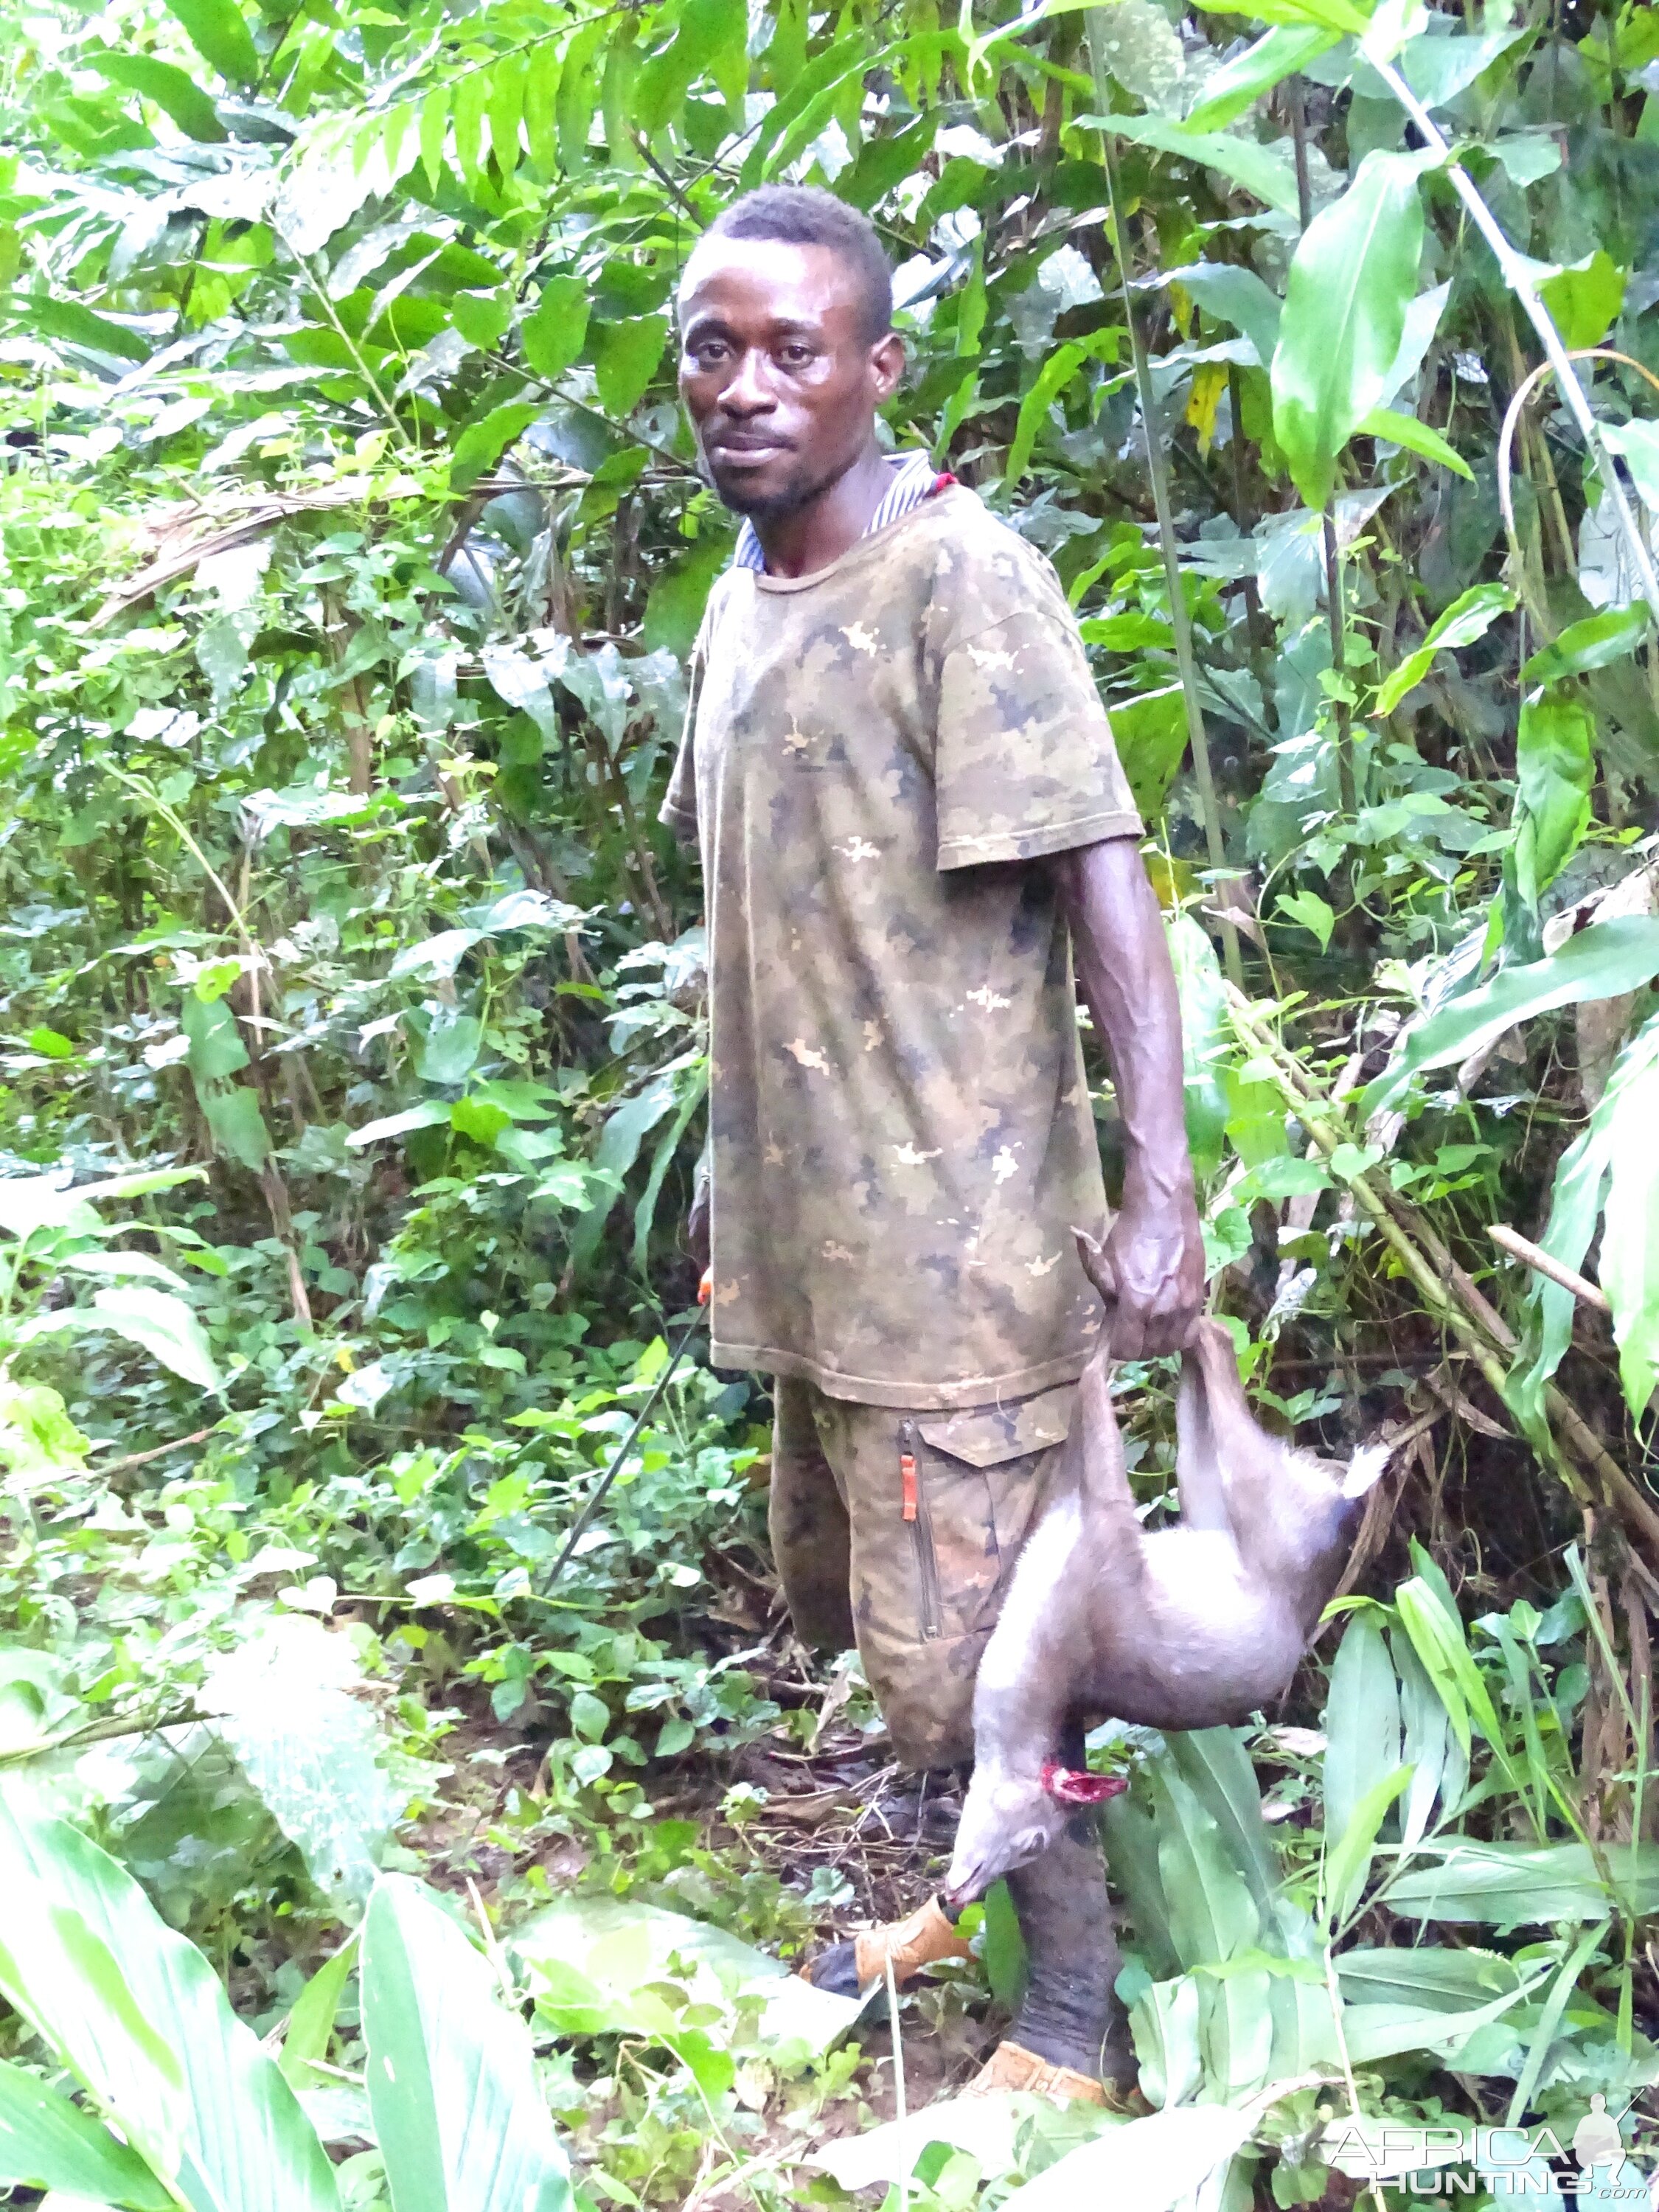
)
(1155, 1253)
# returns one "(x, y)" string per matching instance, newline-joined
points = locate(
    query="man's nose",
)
(750, 392)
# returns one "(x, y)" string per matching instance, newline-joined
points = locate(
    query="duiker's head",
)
(1011, 1819)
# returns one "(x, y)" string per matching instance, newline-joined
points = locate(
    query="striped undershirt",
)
(915, 479)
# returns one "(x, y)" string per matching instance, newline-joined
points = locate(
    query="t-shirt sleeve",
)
(678, 811)
(1025, 763)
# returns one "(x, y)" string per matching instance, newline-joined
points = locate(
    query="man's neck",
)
(812, 536)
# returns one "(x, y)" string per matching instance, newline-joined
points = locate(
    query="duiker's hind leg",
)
(1240, 1459)
(1200, 1475)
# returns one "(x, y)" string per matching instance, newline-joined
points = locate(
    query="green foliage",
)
(353, 548)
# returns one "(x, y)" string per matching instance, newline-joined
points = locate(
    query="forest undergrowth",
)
(365, 1841)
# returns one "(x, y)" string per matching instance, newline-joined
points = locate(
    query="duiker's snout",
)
(1005, 1823)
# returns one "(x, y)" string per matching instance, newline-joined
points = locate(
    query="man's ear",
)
(886, 364)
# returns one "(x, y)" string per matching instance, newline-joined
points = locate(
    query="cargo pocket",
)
(979, 1483)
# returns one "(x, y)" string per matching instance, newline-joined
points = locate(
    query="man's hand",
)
(1150, 1268)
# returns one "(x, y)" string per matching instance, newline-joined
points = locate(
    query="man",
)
(912, 822)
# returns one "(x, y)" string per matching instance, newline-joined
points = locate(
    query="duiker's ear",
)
(1363, 1468)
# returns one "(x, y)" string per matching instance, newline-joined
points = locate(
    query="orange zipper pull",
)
(908, 1474)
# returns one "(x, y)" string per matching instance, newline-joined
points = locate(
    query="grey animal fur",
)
(1193, 1627)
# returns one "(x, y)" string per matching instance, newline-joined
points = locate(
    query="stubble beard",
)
(774, 505)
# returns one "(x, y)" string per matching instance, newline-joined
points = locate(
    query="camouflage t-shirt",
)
(902, 1135)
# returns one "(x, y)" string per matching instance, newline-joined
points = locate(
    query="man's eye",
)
(795, 356)
(710, 352)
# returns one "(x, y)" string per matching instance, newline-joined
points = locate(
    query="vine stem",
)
(1157, 467)
(1517, 276)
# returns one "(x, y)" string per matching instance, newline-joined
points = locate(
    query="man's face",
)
(777, 371)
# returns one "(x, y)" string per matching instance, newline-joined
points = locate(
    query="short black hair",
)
(806, 215)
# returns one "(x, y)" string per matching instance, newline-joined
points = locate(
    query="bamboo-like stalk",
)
(1585, 1463)
(1518, 277)
(1347, 792)
(1157, 467)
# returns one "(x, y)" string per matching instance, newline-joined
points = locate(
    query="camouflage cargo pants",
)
(900, 1531)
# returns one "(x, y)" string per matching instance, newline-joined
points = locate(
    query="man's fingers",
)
(1128, 1330)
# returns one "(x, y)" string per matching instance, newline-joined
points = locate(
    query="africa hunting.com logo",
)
(1595, 2165)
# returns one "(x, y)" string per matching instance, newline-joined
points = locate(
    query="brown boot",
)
(849, 1967)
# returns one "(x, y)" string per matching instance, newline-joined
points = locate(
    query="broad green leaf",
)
(1428, 1975)
(173, 92)
(451, 2073)
(624, 1132)
(427, 1115)
(1416, 437)
(795, 111)
(1150, 731)
(47, 2142)
(1584, 301)
(1336, 16)
(28, 1203)
(1349, 1863)
(1213, 1918)
(1629, 1263)
(1523, 1885)
(1591, 643)
(505, 110)
(482, 318)
(285, 1705)
(626, 358)
(1171, 2158)
(541, 97)
(1439, 1769)
(434, 131)
(1206, 1034)
(1373, 2032)
(1313, 913)
(481, 445)
(578, 94)
(153, 2040)
(1637, 445)
(1239, 83)
(552, 333)
(122, 1265)
(1605, 961)
(1051, 380)
(77, 325)
(162, 1325)
(1554, 771)
(1260, 169)
(1575, 1199)
(1351, 278)
(1131, 1834)
(1361, 1724)
(216, 1050)
(219, 32)
(237, 1125)
(711, 38)
(1466, 618)
(1235, 295)
(311, 2024)
(674, 608)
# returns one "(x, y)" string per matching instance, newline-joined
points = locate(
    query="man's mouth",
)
(744, 451)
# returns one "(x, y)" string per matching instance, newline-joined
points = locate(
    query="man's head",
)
(786, 348)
